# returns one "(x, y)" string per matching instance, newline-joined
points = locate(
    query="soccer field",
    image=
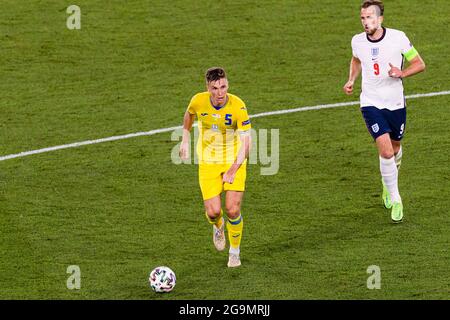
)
(118, 209)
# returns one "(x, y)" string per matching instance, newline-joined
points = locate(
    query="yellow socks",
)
(234, 227)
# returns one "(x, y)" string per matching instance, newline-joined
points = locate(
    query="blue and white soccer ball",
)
(162, 279)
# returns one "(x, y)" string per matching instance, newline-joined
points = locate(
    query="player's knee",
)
(387, 154)
(212, 214)
(213, 211)
(233, 210)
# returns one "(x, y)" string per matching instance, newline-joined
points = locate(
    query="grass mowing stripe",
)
(162, 130)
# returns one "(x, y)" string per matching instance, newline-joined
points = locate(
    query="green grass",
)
(118, 209)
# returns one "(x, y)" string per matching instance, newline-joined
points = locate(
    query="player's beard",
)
(371, 32)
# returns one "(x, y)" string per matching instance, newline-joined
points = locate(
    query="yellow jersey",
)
(219, 127)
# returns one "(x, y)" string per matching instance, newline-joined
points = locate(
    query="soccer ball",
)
(162, 279)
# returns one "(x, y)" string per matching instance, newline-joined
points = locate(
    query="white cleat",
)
(219, 237)
(233, 260)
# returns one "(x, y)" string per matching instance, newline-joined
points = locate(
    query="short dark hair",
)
(377, 3)
(214, 74)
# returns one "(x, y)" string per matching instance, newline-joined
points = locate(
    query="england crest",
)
(375, 128)
(375, 52)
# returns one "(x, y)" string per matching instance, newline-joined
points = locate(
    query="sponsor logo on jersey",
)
(215, 127)
(375, 128)
(216, 116)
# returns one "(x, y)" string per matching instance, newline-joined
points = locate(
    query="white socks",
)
(389, 173)
(398, 158)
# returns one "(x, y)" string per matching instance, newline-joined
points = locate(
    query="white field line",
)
(162, 130)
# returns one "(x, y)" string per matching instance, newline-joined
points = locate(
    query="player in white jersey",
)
(378, 53)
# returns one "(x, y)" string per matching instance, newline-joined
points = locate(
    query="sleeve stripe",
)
(411, 54)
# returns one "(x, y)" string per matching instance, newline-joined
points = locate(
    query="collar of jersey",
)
(218, 107)
(381, 38)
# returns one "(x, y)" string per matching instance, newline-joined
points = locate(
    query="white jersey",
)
(378, 89)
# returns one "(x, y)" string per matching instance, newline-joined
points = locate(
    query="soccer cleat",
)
(233, 260)
(219, 236)
(386, 198)
(397, 212)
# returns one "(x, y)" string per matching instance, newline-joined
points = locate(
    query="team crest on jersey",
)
(375, 52)
(216, 116)
(375, 128)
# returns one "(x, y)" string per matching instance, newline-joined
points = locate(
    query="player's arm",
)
(243, 153)
(355, 71)
(244, 150)
(416, 65)
(188, 120)
(411, 55)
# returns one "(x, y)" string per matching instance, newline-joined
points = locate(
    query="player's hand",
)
(395, 72)
(184, 150)
(348, 87)
(228, 177)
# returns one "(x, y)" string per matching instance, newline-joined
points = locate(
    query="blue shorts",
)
(381, 121)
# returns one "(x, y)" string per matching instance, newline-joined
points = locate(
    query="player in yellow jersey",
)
(223, 147)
